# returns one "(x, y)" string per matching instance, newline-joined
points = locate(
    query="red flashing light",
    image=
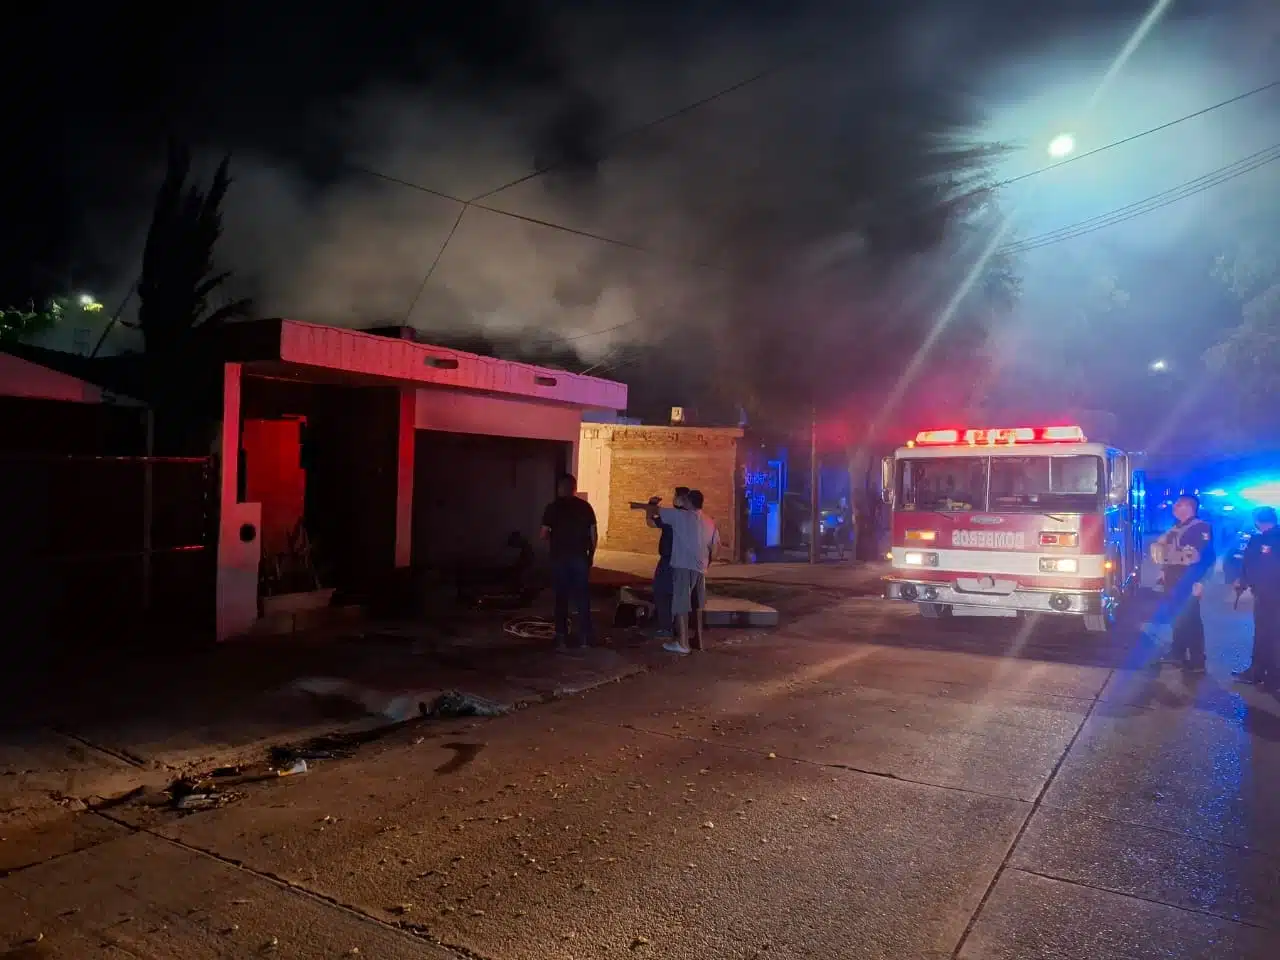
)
(938, 436)
(990, 437)
(1062, 433)
(1009, 436)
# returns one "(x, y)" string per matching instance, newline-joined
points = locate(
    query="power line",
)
(536, 221)
(434, 263)
(682, 111)
(1149, 204)
(1210, 179)
(465, 205)
(590, 333)
(1138, 136)
(647, 126)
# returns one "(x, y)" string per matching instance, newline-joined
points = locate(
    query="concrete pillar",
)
(239, 525)
(404, 477)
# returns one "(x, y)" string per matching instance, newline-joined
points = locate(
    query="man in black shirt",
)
(663, 583)
(569, 526)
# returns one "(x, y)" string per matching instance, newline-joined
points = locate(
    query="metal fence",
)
(103, 548)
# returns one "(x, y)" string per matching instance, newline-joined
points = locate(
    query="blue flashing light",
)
(1264, 492)
(1216, 492)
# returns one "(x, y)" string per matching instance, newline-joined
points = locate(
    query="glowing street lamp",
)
(1061, 145)
(1158, 366)
(89, 303)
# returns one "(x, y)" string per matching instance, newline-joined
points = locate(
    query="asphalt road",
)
(859, 784)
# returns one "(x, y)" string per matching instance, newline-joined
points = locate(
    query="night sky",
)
(100, 89)
(463, 98)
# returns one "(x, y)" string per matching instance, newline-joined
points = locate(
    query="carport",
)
(387, 452)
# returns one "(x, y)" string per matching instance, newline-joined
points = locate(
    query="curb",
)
(385, 715)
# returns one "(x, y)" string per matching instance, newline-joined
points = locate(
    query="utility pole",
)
(815, 533)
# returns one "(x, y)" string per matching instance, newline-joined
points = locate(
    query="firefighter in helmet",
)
(1186, 558)
(1260, 573)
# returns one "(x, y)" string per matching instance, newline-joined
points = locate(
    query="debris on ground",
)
(199, 801)
(530, 628)
(635, 607)
(213, 790)
(192, 795)
(456, 704)
(337, 746)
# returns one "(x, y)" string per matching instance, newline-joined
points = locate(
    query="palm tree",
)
(176, 293)
(178, 274)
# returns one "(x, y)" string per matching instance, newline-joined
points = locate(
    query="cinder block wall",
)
(639, 462)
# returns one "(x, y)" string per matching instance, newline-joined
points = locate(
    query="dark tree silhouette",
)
(176, 293)
(178, 274)
(1248, 355)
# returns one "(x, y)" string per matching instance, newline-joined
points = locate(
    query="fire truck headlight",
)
(1058, 565)
(913, 559)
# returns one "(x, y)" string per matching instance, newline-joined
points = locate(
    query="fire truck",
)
(1014, 521)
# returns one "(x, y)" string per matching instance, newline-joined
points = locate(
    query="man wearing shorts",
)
(694, 538)
(662, 577)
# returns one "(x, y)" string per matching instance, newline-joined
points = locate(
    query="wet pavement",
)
(859, 783)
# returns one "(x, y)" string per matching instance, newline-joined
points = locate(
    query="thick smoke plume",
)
(769, 218)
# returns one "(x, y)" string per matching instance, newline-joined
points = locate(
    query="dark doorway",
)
(471, 492)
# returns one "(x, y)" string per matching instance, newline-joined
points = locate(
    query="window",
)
(945, 485)
(1032, 484)
(1072, 484)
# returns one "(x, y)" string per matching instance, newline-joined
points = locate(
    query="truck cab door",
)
(886, 480)
(1120, 515)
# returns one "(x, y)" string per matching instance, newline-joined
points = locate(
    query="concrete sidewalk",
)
(94, 738)
(99, 725)
(858, 578)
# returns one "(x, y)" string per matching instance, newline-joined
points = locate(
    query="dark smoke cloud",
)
(774, 182)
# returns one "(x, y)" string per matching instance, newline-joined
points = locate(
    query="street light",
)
(1061, 145)
(89, 303)
(1158, 366)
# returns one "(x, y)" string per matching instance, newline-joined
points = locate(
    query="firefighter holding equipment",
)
(1260, 574)
(1186, 558)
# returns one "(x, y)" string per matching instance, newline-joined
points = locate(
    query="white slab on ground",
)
(735, 612)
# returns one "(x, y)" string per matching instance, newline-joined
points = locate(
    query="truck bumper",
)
(1029, 600)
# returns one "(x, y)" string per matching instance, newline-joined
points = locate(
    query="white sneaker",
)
(675, 647)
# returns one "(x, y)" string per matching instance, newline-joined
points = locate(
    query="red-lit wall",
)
(273, 476)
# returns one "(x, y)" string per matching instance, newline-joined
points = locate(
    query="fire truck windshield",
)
(1002, 484)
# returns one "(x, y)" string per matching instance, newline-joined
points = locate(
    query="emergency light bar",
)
(1003, 435)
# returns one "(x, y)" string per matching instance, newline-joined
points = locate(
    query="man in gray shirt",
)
(694, 539)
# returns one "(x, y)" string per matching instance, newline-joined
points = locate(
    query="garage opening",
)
(472, 492)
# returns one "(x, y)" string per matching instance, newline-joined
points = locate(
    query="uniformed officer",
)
(1260, 573)
(1186, 558)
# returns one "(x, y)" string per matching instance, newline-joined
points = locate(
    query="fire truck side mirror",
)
(886, 480)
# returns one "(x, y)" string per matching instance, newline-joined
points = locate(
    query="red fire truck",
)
(1014, 520)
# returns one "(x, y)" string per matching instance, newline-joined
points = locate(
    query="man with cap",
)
(1260, 573)
(1187, 559)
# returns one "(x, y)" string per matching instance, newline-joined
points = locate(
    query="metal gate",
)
(105, 548)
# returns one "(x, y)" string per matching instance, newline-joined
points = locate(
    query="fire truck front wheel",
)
(935, 611)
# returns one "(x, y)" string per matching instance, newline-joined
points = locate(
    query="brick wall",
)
(652, 461)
